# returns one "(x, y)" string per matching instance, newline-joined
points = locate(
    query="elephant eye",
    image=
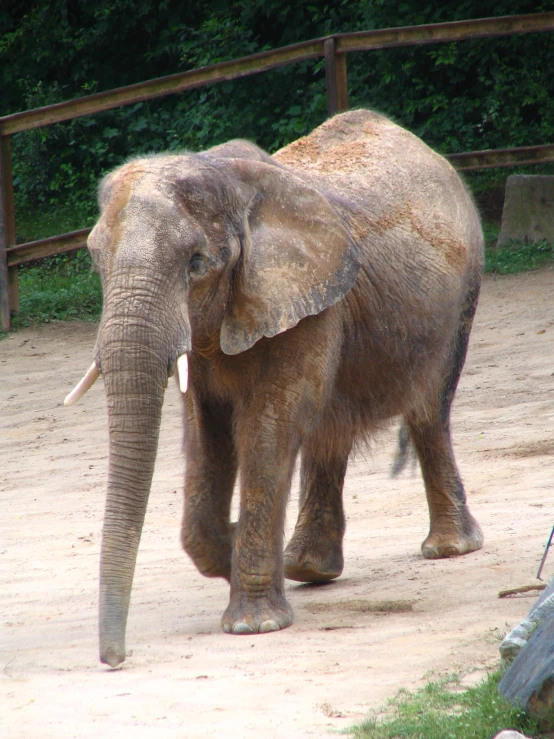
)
(195, 264)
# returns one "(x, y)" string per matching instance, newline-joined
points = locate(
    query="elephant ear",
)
(297, 260)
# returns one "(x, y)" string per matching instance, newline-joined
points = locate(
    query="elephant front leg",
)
(314, 554)
(207, 533)
(453, 529)
(257, 603)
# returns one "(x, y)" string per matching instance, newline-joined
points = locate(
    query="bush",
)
(469, 95)
(60, 288)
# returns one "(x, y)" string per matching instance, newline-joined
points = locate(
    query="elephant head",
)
(217, 249)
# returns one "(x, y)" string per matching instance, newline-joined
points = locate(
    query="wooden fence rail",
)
(333, 49)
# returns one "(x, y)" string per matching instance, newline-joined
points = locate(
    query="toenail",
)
(242, 628)
(269, 625)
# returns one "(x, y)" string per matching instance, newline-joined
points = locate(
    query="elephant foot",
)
(211, 554)
(247, 615)
(451, 538)
(313, 564)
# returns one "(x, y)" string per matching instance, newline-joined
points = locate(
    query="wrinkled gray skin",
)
(317, 293)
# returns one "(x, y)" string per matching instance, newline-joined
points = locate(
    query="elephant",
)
(304, 300)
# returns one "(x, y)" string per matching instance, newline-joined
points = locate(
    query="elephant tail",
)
(405, 452)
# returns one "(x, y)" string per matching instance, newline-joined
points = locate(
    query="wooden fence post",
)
(9, 292)
(336, 78)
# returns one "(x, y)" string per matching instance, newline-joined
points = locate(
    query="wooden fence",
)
(333, 49)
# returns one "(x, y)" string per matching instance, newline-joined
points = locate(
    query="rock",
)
(528, 213)
(510, 734)
(518, 637)
(546, 593)
(529, 681)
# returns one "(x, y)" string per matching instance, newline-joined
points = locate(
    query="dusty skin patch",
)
(184, 677)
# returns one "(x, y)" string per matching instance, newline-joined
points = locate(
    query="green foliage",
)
(518, 257)
(469, 95)
(442, 711)
(458, 97)
(490, 233)
(462, 96)
(514, 256)
(41, 222)
(60, 288)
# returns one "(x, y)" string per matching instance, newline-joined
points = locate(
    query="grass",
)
(518, 257)
(441, 710)
(515, 256)
(59, 288)
(50, 220)
(62, 287)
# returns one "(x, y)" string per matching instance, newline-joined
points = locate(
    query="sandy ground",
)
(343, 656)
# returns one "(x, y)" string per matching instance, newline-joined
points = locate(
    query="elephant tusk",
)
(92, 374)
(183, 371)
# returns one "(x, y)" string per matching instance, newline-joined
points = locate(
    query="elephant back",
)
(387, 181)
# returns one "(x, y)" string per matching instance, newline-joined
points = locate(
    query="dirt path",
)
(343, 655)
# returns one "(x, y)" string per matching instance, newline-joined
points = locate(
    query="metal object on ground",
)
(543, 560)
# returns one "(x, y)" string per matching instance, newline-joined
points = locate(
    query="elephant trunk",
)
(134, 367)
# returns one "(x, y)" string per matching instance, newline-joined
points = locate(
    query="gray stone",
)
(529, 680)
(546, 593)
(510, 734)
(518, 637)
(528, 213)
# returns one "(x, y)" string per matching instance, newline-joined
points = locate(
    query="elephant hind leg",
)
(314, 554)
(453, 529)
